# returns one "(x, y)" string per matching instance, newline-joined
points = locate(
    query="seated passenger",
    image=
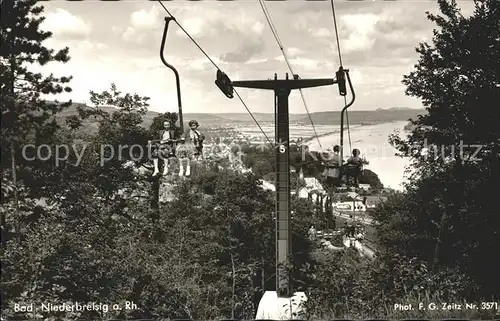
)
(193, 147)
(312, 233)
(355, 166)
(169, 137)
(350, 227)
(195, 137)
(332, 167)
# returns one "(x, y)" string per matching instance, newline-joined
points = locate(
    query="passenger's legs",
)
(155, 162)
(165, 166)
(352, 175)
(181, 166)
(182, 154)
(199, 152)
(357, 176)
(188, 167)
(337, 182)
(187, 161)
(344, 175)
(329, 181)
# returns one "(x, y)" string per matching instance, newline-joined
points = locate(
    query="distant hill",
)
(365, 116)
(229, 119)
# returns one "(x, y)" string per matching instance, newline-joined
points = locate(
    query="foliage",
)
(26, 117)
(262, 160)
(114, 248)
(369, 177)
(24, 113)
(447, 217)
(345, 286)
(210, 253)
(157, 124)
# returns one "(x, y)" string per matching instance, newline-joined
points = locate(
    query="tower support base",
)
(272, 307)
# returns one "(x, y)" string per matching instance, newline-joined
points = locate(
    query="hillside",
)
(320, 118)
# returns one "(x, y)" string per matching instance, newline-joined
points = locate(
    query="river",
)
(373, 142)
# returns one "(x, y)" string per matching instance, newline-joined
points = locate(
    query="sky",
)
(119, 42)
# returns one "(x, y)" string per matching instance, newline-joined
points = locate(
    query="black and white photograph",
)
(250, 160)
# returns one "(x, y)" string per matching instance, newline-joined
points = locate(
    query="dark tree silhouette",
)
(448, 216)
(25, 116)
(369, 177)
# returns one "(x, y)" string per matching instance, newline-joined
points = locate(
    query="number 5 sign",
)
(281, 147)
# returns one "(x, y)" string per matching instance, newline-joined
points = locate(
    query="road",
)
(363, 217)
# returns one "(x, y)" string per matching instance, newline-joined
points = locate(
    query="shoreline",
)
(373, 142)
(334, 132)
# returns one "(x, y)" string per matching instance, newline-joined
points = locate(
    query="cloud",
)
(235, 35)
(321, 32)
(200, 64)
(305, 64)
(145, 19)
(380, 34)
(244, 53)
(257, 61)
(195, 26)
(243, 24)
(66, 25)
(257, 27)
(246, 32)
(292, 51)
(386, 39)
(116, 30)
(132, 35)
(220, 23)
(88, 46)
(361, 29)
(142, 23)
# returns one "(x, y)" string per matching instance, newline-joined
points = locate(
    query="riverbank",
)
(373, 142)
(330, 133)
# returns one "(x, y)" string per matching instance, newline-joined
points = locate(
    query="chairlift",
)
(176, 144)
(176, 73)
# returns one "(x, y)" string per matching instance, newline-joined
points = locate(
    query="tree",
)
(82, 217)
(24, 114)
(369, 177)
(157, 124)
(447, 217)
(120, 140)
(458, 81)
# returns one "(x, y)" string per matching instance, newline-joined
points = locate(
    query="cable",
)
(348, 130)
(336, 32)
(340, 60)
(215, 65)
(280, 44)
(255, 120)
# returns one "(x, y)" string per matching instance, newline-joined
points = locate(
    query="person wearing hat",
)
(195, 137)
(193, 147)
